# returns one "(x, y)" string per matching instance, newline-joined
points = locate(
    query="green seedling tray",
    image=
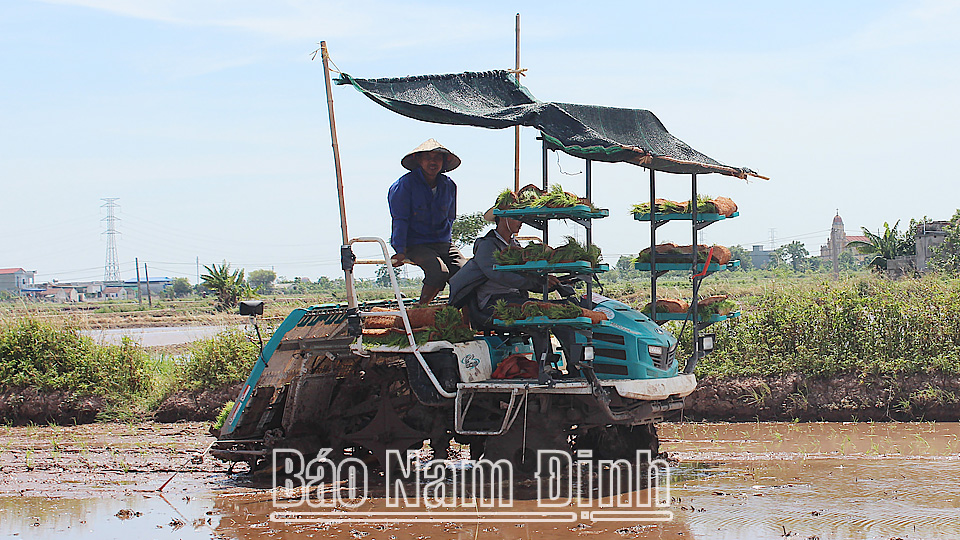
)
(688, 217)
(546, 267)
(580, 211)
(707, 319)
(714, 267)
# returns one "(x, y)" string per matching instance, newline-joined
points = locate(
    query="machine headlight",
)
(706, 342)
(655, 350)
(588, 353)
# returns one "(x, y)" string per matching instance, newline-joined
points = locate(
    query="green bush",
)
(45, 355)
(122, 369)
(216, 362)
(54, 356)
(865, 325)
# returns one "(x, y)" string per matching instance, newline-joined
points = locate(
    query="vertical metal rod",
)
(546, 228)
(546, 222)
(696, 281)
(136, 262)
(516, 129)
(146, 275)
(348, 274)
(653, 245)
(589, 227)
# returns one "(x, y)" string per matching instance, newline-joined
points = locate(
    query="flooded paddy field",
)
(727, 481)
(155, 336)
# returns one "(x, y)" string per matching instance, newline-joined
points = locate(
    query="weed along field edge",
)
(862, 348)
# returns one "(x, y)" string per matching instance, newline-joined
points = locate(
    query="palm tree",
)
(886, 246)
(229, 286)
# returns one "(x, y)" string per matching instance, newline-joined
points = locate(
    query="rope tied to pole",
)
(320, 50)
(706, 265)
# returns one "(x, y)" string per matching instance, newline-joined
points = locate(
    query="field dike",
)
(790, 397)
(31, 406)
(839, 398)
(195, 405)
(860, 348)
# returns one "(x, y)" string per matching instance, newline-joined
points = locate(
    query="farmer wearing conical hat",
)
(423, 206)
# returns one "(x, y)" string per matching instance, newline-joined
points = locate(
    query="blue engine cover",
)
(621, 344)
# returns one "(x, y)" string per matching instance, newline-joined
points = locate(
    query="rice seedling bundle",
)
(672, 253)
(705, 205)
(508, 256)
(575, 251)
(669, 305)
(530, 196)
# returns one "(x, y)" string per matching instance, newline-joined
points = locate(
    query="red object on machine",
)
(516, 366)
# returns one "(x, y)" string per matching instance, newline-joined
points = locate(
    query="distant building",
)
(60, 294)
(759, 257)
(927, 236)
(115, 293)
(88, 290)
(14, 280)
(838, 242)
(157, 285)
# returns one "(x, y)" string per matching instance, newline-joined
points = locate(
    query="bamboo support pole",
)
(516, 129)
(348, 272)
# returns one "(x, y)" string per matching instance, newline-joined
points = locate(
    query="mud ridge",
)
(842, 398)
(195, 405)
(794, 396)
(20, 406)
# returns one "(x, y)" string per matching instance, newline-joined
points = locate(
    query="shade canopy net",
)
(494, 99)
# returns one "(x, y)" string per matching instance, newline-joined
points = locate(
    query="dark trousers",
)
(439, 262)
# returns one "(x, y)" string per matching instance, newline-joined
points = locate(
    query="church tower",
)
(837, 239)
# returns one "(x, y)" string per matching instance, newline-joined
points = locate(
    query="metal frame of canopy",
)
(654, 225)
(644, 160)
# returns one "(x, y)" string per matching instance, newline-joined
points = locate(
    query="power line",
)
(793, 237)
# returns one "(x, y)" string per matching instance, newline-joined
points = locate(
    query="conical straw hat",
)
(450, 160)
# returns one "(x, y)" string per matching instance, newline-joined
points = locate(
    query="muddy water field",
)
(726, 481)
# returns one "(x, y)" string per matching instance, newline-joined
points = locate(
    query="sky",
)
(207, 120)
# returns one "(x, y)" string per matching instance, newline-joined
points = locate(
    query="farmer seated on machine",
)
(477, 286)
(423, 205)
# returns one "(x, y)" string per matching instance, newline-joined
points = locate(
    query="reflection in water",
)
(828, 498)
(817, 438)
(733, 481)
(150, 516)
(826, 480)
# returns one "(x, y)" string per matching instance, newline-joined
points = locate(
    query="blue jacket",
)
(419, 216)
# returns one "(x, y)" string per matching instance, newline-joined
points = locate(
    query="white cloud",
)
(381, 25)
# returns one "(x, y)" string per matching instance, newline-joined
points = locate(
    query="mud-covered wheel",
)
(620, 442)
(379, 413)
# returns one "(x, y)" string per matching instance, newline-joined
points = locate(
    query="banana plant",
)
(230, 287)
(886, 245)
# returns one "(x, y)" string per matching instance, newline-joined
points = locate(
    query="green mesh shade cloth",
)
(494, 99)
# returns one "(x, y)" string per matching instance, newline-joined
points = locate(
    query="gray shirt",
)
(479, 276)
